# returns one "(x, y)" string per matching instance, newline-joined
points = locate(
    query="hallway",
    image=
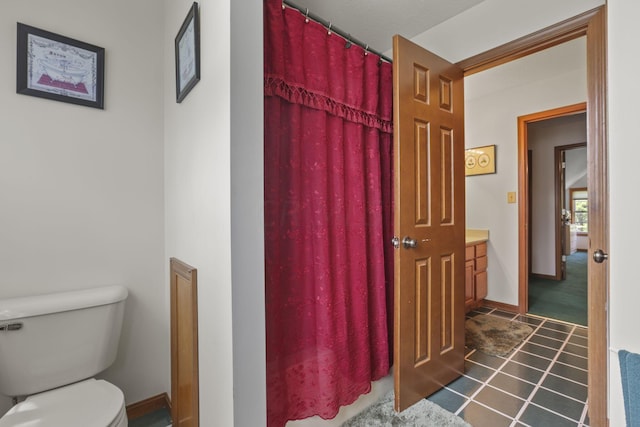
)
(564, 300)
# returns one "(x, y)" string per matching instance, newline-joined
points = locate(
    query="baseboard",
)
(500, 306)
(544, 276)
(138, 409)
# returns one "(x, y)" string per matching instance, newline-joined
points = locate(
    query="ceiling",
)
(376, 21)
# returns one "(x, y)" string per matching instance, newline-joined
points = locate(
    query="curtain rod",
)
(332, 28)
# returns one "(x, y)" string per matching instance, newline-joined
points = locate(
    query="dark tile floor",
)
(542, 383)
(159, 418)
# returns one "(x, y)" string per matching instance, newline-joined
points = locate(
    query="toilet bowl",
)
(51, 347)
(89, 403)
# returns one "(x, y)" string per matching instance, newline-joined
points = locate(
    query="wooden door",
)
(429, 214)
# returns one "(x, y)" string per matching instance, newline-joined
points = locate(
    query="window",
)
(580, 208)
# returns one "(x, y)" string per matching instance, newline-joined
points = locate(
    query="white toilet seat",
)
(89, 403)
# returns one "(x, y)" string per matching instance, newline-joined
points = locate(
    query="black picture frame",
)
(60, 68)
(187, 46)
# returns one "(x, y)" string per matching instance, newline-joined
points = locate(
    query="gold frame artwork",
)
(480, 160)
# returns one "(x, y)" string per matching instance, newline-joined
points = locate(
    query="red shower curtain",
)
(328, 143)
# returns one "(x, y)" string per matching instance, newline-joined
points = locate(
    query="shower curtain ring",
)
(306, 16)
(366, 50)
(329, 33)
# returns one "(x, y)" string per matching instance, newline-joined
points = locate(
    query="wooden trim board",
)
(554, 35)
(597, 165)
(185, 409)
(543, 276)
(500, 306)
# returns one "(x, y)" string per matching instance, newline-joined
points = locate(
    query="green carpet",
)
(562, 299)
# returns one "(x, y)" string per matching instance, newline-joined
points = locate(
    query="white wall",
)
(494, 99)
(198, 196)
(576, 170)
(80, 188)
(542, 138)
(247, 213)
(624, 91)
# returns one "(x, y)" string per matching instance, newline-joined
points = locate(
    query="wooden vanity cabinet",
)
(475, 275)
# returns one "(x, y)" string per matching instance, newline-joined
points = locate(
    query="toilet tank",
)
(47, 341)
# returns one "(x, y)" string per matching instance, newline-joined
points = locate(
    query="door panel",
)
(429, 209)
(422, 170)
(185, 409)
(447, 178)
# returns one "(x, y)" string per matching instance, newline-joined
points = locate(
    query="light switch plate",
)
(511, 197)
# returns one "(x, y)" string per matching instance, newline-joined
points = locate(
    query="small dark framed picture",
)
(60, 68)
(188, 54)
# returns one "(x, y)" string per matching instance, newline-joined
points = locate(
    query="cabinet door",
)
(469, 294)
(481, 249)
(470, 253)
(481, 285)
(481, 264)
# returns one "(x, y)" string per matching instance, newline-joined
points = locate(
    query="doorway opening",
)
(593, 25)
(557, 282)
(540, 237)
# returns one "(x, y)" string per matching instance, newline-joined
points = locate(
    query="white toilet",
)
(50, 348)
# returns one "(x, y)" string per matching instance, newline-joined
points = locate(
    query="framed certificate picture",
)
(187, 45)
(60, 68)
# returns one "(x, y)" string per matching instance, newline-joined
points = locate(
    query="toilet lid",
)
(90, 403)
